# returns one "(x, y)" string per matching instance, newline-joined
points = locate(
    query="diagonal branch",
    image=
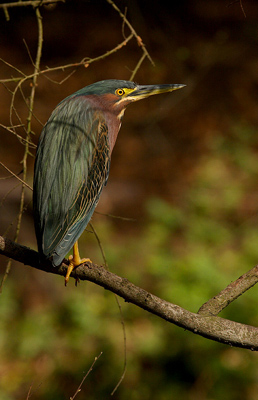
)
(235, 289)
(137, 37)
(214, 328)
(16, 176)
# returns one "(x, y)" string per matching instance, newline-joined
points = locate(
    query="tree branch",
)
(235, 289)
(30, 3)
(211, 327)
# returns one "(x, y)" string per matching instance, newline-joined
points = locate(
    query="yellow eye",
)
(120, 92)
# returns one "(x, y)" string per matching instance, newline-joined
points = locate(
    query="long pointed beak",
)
(143, 91)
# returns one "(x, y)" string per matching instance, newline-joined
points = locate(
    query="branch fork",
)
(205, 323)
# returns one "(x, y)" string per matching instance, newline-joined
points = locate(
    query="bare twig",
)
(30, 391)
(120, 311)
(29, 119)
(242, 8)
(21, 139)
(28, 134)
(240, 3)
(84, 62)
(99, 244)
(13, 67)
(137, 37)
(6, 274)
(16, 176)
(137, 66)
(125, 348)
(33, 3)
(86, 375)
(116, 216)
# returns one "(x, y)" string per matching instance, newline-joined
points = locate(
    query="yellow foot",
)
(74, 263)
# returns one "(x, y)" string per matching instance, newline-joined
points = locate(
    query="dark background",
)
(184, 168)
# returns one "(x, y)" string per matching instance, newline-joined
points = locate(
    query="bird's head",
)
(117, 94)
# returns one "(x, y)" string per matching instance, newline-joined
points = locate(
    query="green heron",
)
(73, 160)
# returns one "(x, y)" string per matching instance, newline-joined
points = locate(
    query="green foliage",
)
(185, 254)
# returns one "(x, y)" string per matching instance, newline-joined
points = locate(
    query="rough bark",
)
(204, 323)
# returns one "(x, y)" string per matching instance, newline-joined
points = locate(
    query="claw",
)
(74, 262)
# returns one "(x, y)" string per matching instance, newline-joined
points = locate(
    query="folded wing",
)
(71, 169)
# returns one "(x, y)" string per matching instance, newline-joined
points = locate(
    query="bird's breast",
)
(114, 125)
(110, 116)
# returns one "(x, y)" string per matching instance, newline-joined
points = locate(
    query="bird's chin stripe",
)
(120, 115)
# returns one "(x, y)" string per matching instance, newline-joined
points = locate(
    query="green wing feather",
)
(71, 169)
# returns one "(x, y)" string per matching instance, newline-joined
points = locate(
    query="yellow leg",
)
(75, 261)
